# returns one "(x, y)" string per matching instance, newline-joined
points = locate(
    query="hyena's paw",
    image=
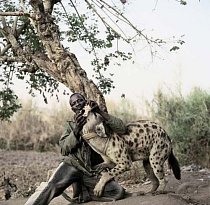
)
(98, 190)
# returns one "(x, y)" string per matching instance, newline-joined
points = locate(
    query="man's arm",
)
(68, 141)
(115, 123)
(71, 139)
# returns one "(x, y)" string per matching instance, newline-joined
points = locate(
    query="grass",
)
(33, 128)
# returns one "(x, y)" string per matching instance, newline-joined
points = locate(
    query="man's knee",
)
(120, 192)
(115, 190)
(65, 177)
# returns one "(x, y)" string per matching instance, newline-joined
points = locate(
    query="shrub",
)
(124, 109)
(33, 128)
(188, 123)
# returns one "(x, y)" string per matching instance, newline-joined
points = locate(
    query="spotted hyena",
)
(144, 140)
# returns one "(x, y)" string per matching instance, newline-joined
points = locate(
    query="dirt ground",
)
(27, 169)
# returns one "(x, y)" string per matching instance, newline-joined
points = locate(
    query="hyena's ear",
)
(100, 130)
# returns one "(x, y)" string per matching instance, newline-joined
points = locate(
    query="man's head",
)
(77, 102)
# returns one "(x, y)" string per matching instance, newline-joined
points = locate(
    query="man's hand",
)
(94, 106)
(80, 120)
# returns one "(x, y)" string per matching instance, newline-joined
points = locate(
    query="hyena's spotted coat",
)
(145, 141)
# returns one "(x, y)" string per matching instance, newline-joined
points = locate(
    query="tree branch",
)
(121, 17)
(38, 5)
(11, 59)
(4, 24)
(105, 23)
(15, 13)
(54, 59)
(34, 16)
(16, 32)
(49, 4)
(15, 25)
(5, 49)
(101, 6)
(8, 33)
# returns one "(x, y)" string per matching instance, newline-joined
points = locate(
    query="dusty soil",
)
(27, 169)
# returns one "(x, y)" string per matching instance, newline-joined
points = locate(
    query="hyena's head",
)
(94, 124)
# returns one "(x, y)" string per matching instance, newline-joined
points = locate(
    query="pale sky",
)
(189, 66)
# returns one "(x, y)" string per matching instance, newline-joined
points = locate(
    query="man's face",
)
(77, 102)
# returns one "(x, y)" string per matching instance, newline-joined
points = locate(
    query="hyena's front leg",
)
(107, 176)
(117, 153)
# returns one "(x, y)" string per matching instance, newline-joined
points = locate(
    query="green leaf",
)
(8, 104)
(174, 48)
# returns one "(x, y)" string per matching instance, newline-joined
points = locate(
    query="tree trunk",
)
(62, 64)
(55, 60)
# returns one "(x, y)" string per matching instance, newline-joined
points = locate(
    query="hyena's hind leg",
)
(151, 175)
(157, 160)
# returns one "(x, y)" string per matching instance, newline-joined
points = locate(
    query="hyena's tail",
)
(173, 162)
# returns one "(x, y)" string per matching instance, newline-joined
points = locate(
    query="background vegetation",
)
(33, 128)
(186, 119)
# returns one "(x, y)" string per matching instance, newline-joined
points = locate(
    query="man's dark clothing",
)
(76, 167)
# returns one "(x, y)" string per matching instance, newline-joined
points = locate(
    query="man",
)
(79, 160)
